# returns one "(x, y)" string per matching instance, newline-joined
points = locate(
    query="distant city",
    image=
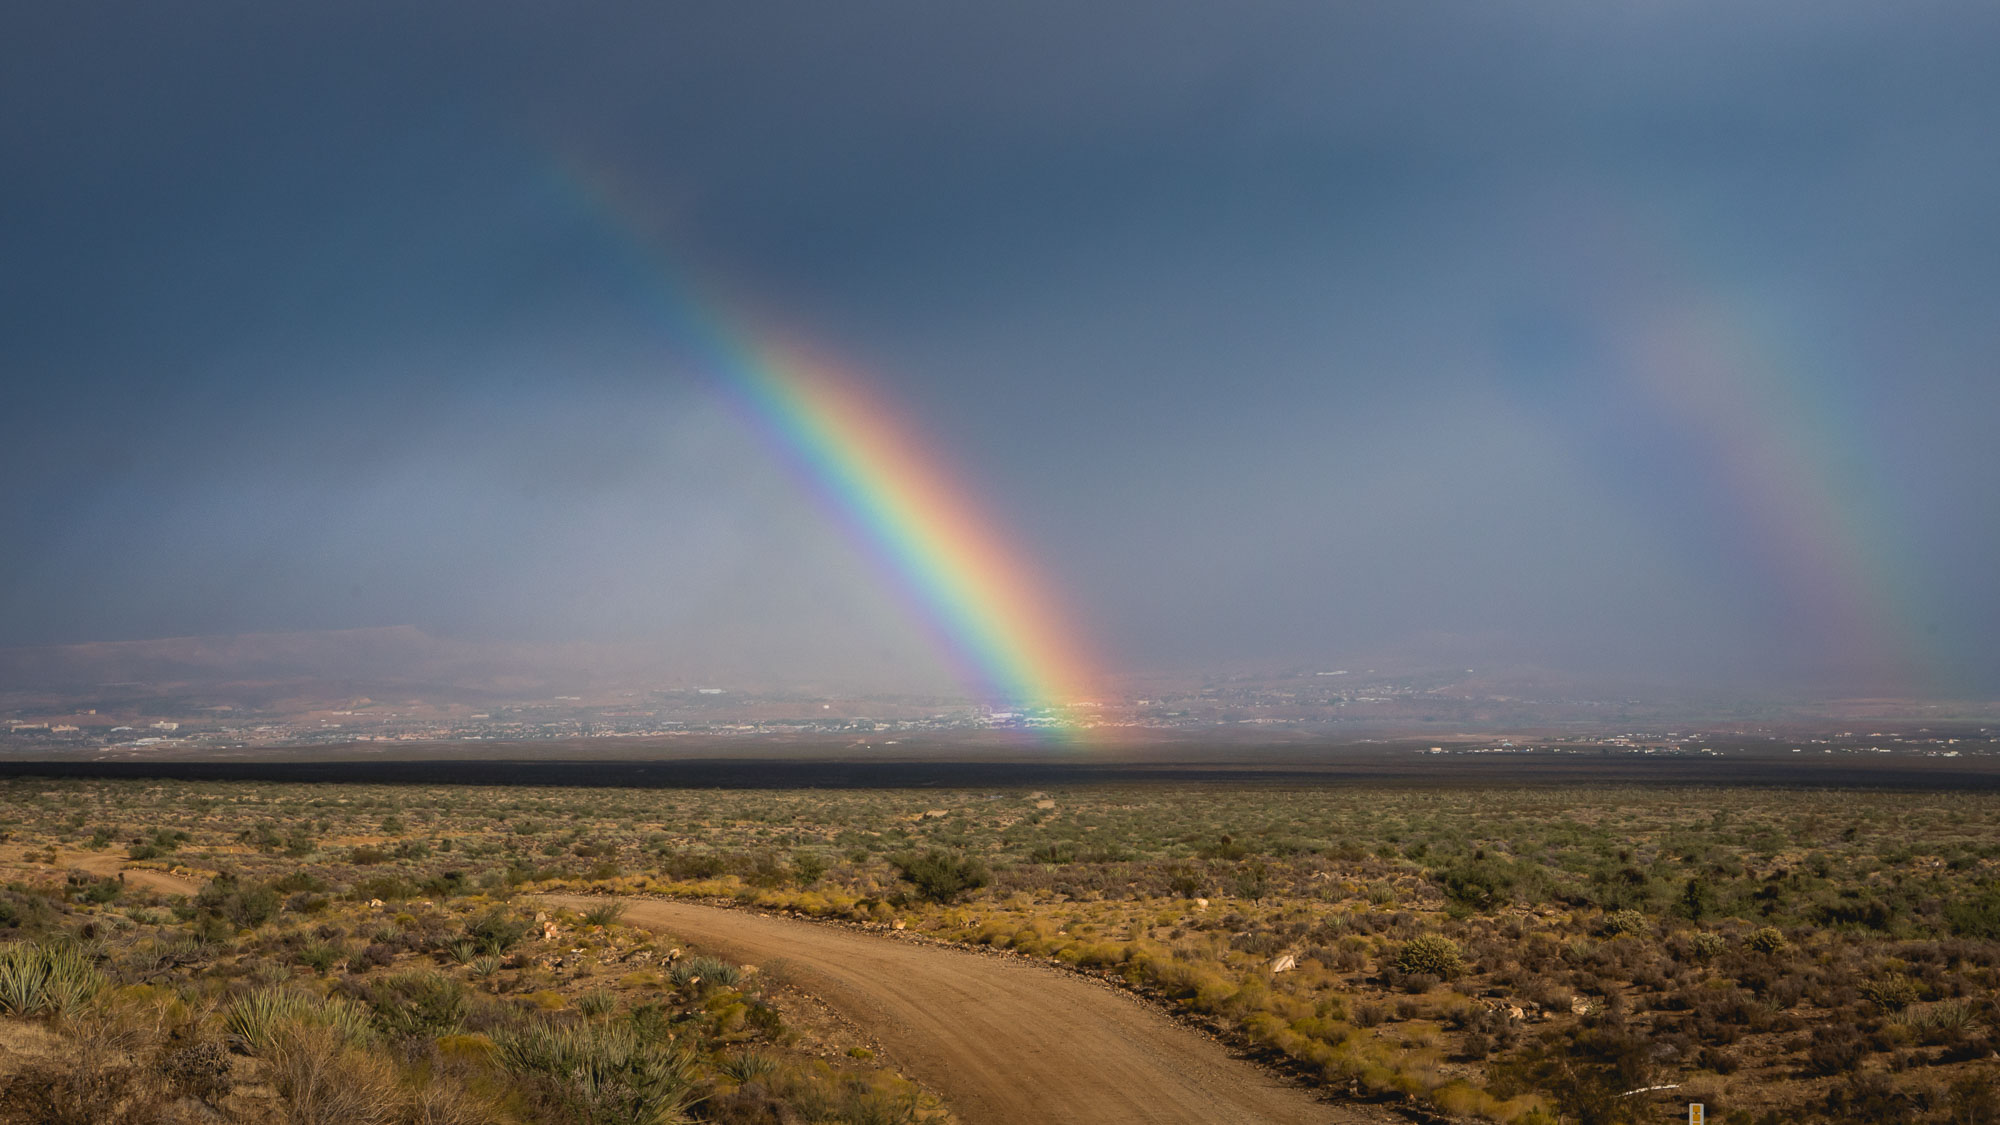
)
(1297, 706)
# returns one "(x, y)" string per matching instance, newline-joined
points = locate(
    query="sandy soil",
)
(1002, 1039)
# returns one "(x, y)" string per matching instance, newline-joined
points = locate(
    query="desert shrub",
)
(1977, 916)
(1429, 955)
(87, 1082)
(1891, 993)
(497, 930)
(1768, 939)
(604, 914)
(942, 876)
(1054, 852)
(1835, 1049)
(327, 1082)
(388, 888)
(46, 980)
(298, 881)
(1478, 884)
(417, 1004)
(241, 905)
(199, 1070)
(321, 956)
(1623, 922)
(92, 890)
(1706, 945)
(598, 1073)
(1185, 880)
(808, 868)
(1942, 1022)
(374, 955)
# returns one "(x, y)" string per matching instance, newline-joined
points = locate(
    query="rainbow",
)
(980, 601)
(1711, 363)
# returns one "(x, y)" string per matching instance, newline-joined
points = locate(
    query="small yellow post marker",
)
(1697, 1115)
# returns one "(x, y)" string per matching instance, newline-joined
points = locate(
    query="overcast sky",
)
(1649, 339)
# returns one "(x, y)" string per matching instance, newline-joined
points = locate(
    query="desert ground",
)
(1261, 945)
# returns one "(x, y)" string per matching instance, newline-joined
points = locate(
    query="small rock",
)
(1201, 904)
(1285, 964)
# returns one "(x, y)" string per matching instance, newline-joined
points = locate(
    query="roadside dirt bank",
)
(1004, 1041)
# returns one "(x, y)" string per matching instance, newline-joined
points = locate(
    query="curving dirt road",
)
(1005, 1041)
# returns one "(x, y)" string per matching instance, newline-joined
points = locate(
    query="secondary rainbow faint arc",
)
(974, 592)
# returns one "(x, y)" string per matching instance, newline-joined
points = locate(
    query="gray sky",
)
(1652, 340)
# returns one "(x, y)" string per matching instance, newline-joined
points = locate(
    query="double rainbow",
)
(972, 590)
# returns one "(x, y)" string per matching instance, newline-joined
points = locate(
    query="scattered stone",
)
(1285, 964)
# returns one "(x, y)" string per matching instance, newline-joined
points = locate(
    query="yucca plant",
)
(751, 1066)
(37, 980)
(600, 1072)
(597, 1002)
(604, 914)
(262, 1018)
(704, 970)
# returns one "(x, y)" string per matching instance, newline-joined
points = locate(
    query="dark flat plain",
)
(805, 766)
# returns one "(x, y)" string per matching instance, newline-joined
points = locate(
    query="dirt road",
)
(111, 866)
(1005, 1041)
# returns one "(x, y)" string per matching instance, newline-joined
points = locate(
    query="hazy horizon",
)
(1651, 344)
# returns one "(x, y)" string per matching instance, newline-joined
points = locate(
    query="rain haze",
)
(1647, 342)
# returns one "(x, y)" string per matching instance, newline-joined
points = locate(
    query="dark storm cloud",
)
(1277, 332)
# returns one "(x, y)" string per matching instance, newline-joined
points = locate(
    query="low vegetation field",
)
(1604, 953)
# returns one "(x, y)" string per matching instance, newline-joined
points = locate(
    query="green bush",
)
(1768, 939)
(497, 930)
(1624, 922)
(1429, 955)
(942, 876)
(808, 868)
(418, 1005)
(242, 905)
(1977, 916)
